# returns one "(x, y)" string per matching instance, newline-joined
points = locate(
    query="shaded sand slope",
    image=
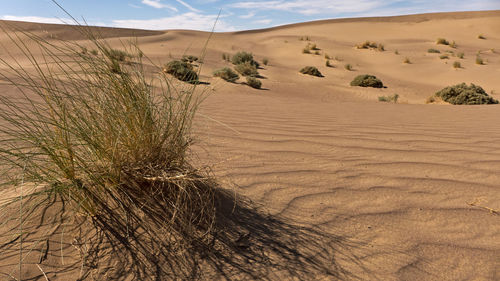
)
(410, 183)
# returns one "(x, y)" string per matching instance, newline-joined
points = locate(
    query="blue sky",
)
(235, 15)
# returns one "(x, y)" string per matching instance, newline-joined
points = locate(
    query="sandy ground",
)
(415, 185)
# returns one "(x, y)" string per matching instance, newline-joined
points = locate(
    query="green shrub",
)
(442, 41)
(435, 51)
(380, 47)
(311, 70)
(453, 44)
(314, 47)
(463, 94)
(247, 69)
(306, 50)
(443, 57)
(189, 58)
(371, 45)
(479, 60)
(367, 80)
(227, 74)
(265, 61)
(182, 71)
(242, 57)
(396, 52)
(460, 55)
(328, 64)
(317, 53)
(327, 57)
(254, 82)
(457, 64)
(348, 66)
(394, 98)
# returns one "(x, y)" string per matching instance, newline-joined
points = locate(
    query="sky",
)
(234, 14)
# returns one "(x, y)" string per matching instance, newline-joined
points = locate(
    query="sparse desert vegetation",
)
(479, 60)
(189, 58)
(247, 69)
(444, 57)
(481, 36)
(433, 51)
(328, 63)
(311, 70)
(460, 55)
(394, 98)
(407, 60)
(442, 41)
(463, 94)
(348, 66)
(367, 80)
(265, 61)
(254, 82)
(371, 45)
(244, 57)
(181, 70)
(457, 64)
(227, 74)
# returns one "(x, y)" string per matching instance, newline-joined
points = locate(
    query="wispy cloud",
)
(38, 19)
(263, 21)
(247, 16)
(188, 6)
(194, 21)
(158, 5)
(311, 7)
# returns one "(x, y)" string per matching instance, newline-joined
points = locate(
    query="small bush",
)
(460, 55)
(306, 50)
(189, 58)
(367, 80)
(265, 61)
(242, 57)
(227, 74)
(457, 64)
(327, 57)
(394, 98)
(380, 48)
(317, 53)
(118, 55)
(453, 44)
(254, 82)
(370, 45)
(311, 70)
(314, 47)
(463, 94)
(328, 64)
(247, 69)
(181, 70)
(479, 60)
(442, 41)
(433, 51)
(407, 60)
(396, 52)
(481, 36)
(348, 66)
(443, 57)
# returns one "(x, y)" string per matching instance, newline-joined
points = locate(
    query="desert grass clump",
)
(311, 70)
(116, 54)
(460, 55)
(114, 147)
(481, 36)
(247, 69)
(227, 74)
(453, 45)
(243, 57)
(254, 82)
(189, 58)
(444, 57)
(442, 41)
(367, 80)
(394, 98)
(265, 61)
(407, 60)
(348, 66)
(433, 51)
(479, 60)
(371, 45)
(328, 63)
(464, 94)
(396, 52)
(457, 64)
(306, 50)
(182, 71)
(327, 57)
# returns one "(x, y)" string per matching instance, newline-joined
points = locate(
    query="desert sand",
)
(411, 191)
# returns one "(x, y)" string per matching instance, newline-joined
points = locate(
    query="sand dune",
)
(415, 185)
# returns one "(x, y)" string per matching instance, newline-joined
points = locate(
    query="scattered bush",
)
(313, 47)
(227, 74)
(460, 55)
(328, 64)
(181, 70)
(453, 44)
(317, 53)
(442, 41)
(463, 94)
(370, 45)
(479, 60)
(435, 51)
(115, 54)
(457, 64)
(444, 57)
(396, 52)
(327, 57)
(394, 98)
(254, 82)
(265, 61)
(481, 36)
(189, 58)
(94, 52)
(242, 57)
(247, 69)
(407, 60)
(311, 70)
(367, 80)
(348, 66)
(306, 50)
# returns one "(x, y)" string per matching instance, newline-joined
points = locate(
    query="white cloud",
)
(264, 21)
(188, 6)
(38, 19)
(189, 20)
(248, 16)
(158, 5)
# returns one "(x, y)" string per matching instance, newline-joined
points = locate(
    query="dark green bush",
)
(181, 70)
(394, 98)
(463, 94)
(242, 57)
(367, 80)
(189, 58)
(247, 69)
(442, 41)
(311, 70)
(227, 74)
(435, 51)
(254, 82)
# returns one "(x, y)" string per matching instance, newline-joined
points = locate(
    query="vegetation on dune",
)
(189, 58)
(394, 98)
(479, 60)
(371, 45)
(247, 69)
(227, 74)
(243, 57)
(435, 51)
(367, 80)
(457, 64)
(460, 55)
(265, 61)
(407, 60)
(463, 94)
(481, 36)
(442, 41)
(311, 70)
(348, 66)
(254, 82)
(443, 57)
(182, 71)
